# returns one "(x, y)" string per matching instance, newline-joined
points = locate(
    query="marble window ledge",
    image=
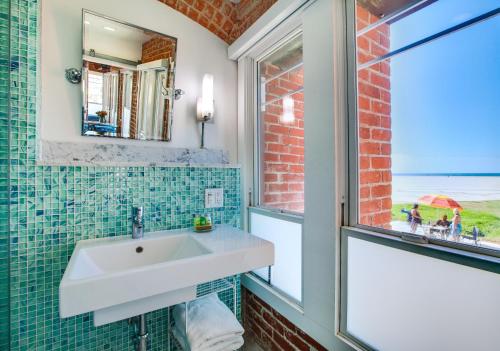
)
(119, 155)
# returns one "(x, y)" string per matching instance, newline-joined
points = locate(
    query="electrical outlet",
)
(214, 198)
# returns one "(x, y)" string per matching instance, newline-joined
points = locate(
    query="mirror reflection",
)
(127, 80)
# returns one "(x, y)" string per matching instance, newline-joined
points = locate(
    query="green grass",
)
(485, 215)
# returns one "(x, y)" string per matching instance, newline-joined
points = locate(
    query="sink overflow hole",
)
(139, 249)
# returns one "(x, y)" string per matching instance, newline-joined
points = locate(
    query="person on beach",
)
(443, 222)
(416, 218)
(456, 225)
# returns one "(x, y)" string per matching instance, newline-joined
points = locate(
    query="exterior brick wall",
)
(283, 143)
(270, 330)
(222, 17)
(374, 116)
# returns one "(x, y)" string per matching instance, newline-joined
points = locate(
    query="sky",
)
(446, 93)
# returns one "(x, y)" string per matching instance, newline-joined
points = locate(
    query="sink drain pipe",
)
(141, 336)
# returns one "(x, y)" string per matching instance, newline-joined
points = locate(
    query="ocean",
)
(461, 187)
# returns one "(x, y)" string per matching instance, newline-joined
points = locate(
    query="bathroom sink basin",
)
(120, 277)
(123, 255)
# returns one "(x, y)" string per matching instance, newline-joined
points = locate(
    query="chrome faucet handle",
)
(138, 212)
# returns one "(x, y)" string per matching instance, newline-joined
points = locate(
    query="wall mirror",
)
(127, 80)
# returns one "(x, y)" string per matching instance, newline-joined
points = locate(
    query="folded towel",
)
(233, 343)
(211, 325)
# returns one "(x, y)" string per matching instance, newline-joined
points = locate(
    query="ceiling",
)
(383, 8)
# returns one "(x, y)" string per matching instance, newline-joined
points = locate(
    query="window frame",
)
(352, 176)
(462, 254)
(258, 149)
(293, 30)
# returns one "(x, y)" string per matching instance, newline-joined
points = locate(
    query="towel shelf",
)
(218, 286)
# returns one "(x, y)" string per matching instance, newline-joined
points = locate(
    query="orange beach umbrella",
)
(439, 201)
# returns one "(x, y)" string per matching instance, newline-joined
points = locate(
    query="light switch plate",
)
(214, 198)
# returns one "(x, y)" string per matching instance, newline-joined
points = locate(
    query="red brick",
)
(364, 192)
(381, 190)
(381, 162)
(364, 162)
(381, 135)
(369, 177)
(364, 133)
(369, 148)
(369, 206)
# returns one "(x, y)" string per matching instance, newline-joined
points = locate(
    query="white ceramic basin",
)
(122, 255)
(117, 278)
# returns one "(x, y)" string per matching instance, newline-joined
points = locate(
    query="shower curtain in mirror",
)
(151, 104)
(127, 79)
(110, 96)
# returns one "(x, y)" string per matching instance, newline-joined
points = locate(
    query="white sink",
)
(121, 255)
(117, 278)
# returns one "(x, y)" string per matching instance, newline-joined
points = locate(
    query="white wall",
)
(198, 52)
(399, 300)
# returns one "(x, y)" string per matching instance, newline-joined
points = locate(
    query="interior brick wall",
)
(283, 143)
(133, 108)
(248, 12)
(158, 48)
(225, 19)
(374, 116)
(270, 330)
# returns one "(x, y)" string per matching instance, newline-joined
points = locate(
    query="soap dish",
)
(204, 229)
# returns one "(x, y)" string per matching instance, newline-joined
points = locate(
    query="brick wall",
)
(374, 105)
(222, 17)
(270, 330)
(158, 48)
(133, 108)
(283, 143)
(248, 12)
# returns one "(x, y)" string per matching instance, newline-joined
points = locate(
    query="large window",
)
(428, 108)
(279, 179)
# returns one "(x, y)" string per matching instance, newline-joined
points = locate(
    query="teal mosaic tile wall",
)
(46, 210)
(4, 174)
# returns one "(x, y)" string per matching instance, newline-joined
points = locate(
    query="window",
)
(428, 152)
(281, 128)
(95, 92)
(279, 178)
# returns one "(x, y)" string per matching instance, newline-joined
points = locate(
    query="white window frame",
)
(324, 41)
(252, 169)
(353, 185)
(462, 254)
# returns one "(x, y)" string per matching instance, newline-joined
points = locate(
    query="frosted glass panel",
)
(286, 274)
(397, 300)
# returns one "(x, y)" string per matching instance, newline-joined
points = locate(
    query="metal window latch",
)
(415, 238)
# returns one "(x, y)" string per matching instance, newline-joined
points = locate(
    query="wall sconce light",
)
(288, 115)
(205, 105)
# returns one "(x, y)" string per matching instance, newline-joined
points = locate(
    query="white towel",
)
(232, 343)
(211, 325)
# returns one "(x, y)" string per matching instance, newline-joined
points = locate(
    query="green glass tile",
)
(49, 209)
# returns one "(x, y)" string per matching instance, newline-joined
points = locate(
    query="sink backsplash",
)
(47, 209)
(56, 206)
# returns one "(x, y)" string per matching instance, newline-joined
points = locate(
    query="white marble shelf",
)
(121, 155)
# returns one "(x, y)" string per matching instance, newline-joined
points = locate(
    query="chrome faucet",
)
(137, 223)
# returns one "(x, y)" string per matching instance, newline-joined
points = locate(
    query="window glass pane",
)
(281, 128)
(428, 130)
(407, 27)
